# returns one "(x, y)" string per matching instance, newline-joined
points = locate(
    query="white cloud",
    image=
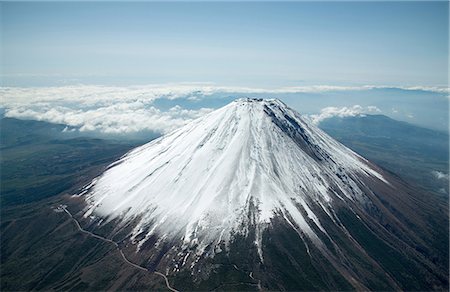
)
(440, 175)
(437, 89)
(342, 112)
(116, 118)
(116, 109)
(101, 108)
(326, 88)
(90, 95)
(93, 94)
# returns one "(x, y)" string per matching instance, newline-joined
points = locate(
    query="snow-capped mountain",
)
(256, 172)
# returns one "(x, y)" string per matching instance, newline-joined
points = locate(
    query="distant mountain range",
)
(416, 154)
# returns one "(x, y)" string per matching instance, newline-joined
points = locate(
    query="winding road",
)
(118, 248)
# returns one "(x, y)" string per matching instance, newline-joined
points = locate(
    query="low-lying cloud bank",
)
(99, 108)
(130, 109)
(93, 94)
(343, 112)
(119, 118)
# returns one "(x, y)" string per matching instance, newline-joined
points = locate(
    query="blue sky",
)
(251, 44)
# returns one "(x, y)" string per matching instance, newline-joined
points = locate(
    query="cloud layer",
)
(114, 109)
(116, 119)
(342, 112)
(104, 109)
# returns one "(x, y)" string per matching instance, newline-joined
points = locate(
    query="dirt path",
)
(118, 248)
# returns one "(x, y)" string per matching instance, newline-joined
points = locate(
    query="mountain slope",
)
(252, 187)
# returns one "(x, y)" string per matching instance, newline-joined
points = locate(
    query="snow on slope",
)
(232, 169)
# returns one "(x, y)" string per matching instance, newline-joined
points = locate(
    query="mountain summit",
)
(255, 178)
